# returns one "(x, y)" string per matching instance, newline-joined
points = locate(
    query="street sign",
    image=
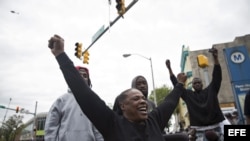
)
(101, 31)
(98, 33)
(1, 106)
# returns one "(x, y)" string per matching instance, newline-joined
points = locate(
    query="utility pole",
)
(33, 132)
(7, 109)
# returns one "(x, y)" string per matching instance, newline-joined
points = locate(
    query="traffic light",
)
(202, 61)
(120, 6)
(86, 57)
(17, 109)
(78, 50)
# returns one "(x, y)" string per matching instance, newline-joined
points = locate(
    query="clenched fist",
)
(56, 44)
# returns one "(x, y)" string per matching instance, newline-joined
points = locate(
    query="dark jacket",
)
(203, 107)
(247, 104)
(112, 126)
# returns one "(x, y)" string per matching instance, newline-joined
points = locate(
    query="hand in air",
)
(56, 44)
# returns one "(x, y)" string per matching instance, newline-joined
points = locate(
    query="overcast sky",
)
(155, 29)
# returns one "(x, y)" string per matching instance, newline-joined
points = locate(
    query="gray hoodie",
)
(66, 122)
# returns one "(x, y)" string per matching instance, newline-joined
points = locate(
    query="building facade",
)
(234, 83)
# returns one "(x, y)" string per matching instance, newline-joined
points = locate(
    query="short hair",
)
(196, 78)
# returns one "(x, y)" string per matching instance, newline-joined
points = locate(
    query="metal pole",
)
(34, 123)
(154, 91)
(111, 24)
(7, 109)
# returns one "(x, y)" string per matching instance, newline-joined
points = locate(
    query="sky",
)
(155, 29)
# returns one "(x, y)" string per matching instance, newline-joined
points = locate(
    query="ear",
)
(122, 106)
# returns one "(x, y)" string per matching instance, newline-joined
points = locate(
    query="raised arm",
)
(217, 73)
(214, 52)
(90, 103)
(164, 111)
(171, 74)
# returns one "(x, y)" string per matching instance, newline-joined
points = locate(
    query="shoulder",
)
(63, 98)
(150, 102)
(66, 95)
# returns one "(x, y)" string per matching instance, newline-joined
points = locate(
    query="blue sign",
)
(238, 63)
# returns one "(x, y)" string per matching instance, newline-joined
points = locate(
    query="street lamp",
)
(154, 91)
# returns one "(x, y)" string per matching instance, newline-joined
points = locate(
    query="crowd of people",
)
(81, 113)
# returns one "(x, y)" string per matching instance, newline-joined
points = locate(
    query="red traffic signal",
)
(17, 109)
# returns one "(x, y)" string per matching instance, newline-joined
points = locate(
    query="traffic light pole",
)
(33, 133)
(111, 24)
(3, 107)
